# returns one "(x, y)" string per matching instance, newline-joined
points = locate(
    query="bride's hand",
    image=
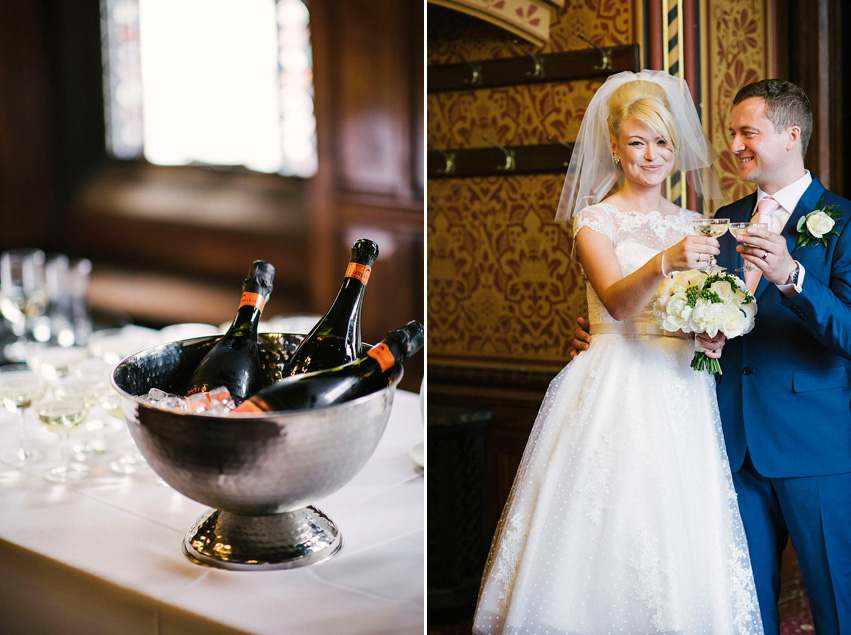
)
(692, 252)
(711, 345)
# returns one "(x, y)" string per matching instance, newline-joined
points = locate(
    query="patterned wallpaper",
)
(502, 288)
(738, 40)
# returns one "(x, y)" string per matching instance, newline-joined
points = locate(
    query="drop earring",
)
(616, 159)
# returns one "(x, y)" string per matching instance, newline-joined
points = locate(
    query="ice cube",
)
(199, 402)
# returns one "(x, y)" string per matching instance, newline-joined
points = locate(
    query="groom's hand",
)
(581, 337)
(768, 252)
(711, 345)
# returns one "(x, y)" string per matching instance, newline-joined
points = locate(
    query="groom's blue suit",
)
(785, 401)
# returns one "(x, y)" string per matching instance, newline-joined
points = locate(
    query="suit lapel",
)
(807, 204)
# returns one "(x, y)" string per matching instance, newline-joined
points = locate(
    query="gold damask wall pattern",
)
(502, 287)
(737, 50)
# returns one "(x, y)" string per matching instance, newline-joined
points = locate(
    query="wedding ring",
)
(764, 255)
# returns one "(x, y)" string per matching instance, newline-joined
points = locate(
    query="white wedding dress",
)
(623, 517)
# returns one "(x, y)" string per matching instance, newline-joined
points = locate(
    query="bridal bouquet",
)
(697, 301)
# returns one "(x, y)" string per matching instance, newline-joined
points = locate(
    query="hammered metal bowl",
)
(260, 474)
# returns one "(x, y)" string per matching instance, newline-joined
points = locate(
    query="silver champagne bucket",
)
(259, 474)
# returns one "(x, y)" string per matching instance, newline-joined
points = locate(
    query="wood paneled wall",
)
(200, 227)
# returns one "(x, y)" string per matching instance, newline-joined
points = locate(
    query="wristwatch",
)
(793, 277)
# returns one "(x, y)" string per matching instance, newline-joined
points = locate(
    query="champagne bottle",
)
(336, 337)
(234, 360)
(322, 388)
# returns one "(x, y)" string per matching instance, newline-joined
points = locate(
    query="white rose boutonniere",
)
(815, 227)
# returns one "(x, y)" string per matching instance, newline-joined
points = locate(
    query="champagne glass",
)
(129, 461)
(740, 229)
(19, 389)
(53, 362)
(88, 389)
(62, 416)
(23, 294)
(714, 228)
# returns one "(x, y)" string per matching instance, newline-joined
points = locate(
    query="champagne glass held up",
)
(19, 389)
(739, 229)
(714, 228)
(23, 294)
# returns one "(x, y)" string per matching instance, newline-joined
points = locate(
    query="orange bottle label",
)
(358, 271)
(251, 299)
(382, 354)
(252, 405)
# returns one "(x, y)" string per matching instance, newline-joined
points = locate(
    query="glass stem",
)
(63, 449)
(22, 433)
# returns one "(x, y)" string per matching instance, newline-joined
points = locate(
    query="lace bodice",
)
(637, 237)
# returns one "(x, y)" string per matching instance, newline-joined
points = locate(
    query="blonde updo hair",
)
(646, 103)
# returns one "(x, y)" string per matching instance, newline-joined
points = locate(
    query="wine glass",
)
(739, 229)
(62, 416)
(20, 387)
(23, 294)
(714, 228)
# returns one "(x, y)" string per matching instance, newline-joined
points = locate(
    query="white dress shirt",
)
(788, 199)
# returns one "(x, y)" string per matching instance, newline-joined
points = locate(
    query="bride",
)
(622, 517)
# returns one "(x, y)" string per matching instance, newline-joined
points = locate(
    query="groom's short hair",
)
(786, 104)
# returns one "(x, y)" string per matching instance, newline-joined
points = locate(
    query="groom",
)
(785, 397)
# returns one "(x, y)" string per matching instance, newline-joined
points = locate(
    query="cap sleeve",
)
(598, 218)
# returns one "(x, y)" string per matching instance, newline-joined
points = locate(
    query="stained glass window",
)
(220, 82)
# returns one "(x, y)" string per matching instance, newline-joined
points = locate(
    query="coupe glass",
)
(19, 389)
(53, 362)
(739, 229)
(129, 460)
(714, 228)
(62, 416)
(23, 294)
(88, 389)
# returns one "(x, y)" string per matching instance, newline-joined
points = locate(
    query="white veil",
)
(591, 172)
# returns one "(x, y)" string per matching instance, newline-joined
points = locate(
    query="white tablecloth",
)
(104, 555)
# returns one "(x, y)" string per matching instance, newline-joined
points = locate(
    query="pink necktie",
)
(764, 214)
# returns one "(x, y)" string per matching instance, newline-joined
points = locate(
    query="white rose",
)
(677, 287)
(694, 277)
(664, 290)
(723, 288)
(734, 321)
(819, 224)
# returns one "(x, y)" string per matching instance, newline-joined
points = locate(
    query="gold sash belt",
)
(634, 331)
